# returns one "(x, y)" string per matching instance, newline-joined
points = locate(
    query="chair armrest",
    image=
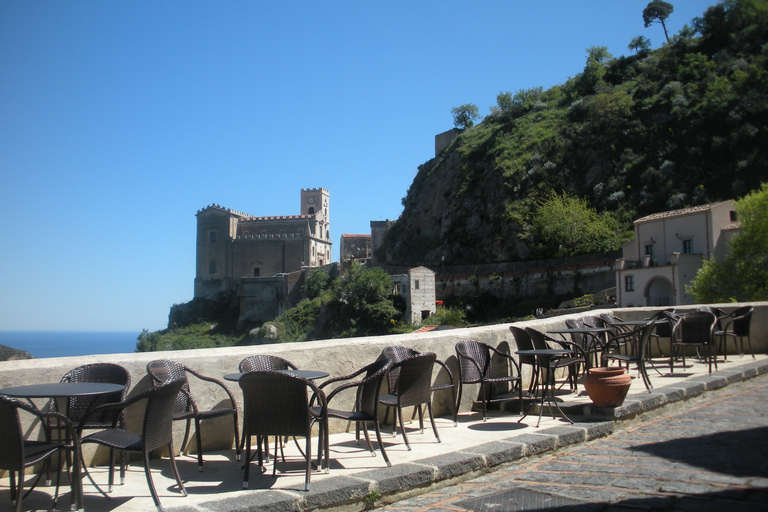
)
(506, 356)
(213, 381)
(447, 370)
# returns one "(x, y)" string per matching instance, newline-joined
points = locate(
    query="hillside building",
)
(667, 252)
(232, 246)
(355, 248)
(417, 287)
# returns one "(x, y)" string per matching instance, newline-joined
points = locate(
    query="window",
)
(733, 216)
(256, 271)
(212, 236)
(416, 284)
(212, 267)
(688, 246)
(650, 253)
(311, 210)
(629, 283)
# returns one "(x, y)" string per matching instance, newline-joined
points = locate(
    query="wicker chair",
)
(399, 353)
(366, 408)
(523, 342)
(156, 432)
(264, 363)
(163, 371)
(276, 404)
(548, 364)
(640, 354)
(737, 326)
(17, 453)
(476, 368)
(695, 329)
(412, 389)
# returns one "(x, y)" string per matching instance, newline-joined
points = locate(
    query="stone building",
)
(667, 252)
(417, 287)
(232, 246)
(355, 248)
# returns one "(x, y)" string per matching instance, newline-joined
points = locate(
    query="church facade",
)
(232, 246)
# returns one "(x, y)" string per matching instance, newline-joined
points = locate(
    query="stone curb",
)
(351, 492)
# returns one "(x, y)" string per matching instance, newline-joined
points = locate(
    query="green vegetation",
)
(743, 274)
(658, 12)
(452, 316)
(199, 335)
(465, 116)
(678, 126)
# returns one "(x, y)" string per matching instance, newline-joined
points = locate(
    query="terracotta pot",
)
(607, 387)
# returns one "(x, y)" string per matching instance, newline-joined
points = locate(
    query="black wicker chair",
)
(639, 354)
(366, 408)
(696, 329)
(156, 432)
(736, 326)
(546, 364)
(265, 363)
(477, 368)
(523, 342)
(277, 404)
(412, 389)
(398, 353)
(17, 453)
(163, 371)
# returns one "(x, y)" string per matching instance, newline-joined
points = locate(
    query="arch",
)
(659, 292)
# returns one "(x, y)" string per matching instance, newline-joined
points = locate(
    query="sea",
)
(42, 344)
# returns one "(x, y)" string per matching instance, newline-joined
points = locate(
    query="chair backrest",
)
(742, 318)
(414, 383)
(158, 415)
(576, 323)
(396, 353)
(264, 362)
(664, 329)
(163, 371)
(719, 313)
(12, 447)
(275, 404)
(368, 390)
(697, 327)
(469, 351)
(523, 342)
(109, 373)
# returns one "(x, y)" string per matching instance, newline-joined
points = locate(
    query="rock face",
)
(12, 354)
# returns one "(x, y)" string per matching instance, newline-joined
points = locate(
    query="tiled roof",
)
(677, 213)
(355, 236)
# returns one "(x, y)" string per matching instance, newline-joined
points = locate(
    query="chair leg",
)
(176, 469)
(238, 446)
(432, 421)
(186, 436)
(399, 413)
(309, 462)
(150, 483)
(248, 458)
(381, 444)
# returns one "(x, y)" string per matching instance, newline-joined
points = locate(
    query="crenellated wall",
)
(337, 357)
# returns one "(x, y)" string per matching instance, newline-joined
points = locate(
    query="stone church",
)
(233, 246)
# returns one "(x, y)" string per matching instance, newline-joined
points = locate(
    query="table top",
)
(637, 322)
(61, 389)
(579, 330)
(545, 352)
(304, 374)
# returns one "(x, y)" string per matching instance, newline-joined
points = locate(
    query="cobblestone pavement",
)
(710, 456)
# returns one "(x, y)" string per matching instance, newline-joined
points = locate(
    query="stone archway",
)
(659, 292)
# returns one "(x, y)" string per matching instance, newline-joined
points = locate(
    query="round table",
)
(549, 384)
(304, 374)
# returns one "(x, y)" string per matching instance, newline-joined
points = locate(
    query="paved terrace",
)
(472, 448)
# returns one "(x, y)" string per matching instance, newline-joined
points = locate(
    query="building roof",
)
(246, 216)
(355, 236)
(678, 213)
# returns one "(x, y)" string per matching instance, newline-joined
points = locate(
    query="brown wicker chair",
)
(638, 355)
(696, 329)
(398, 353)
(546, 364)
(475, 365)
(17, 453)
(276, 404)
(156, 432)
(366, 402)
(163, 371)
(264, 363)
(412, 389)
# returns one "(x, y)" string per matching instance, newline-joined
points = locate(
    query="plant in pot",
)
(607, 386)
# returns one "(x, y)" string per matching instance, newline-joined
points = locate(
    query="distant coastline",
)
(43, 344)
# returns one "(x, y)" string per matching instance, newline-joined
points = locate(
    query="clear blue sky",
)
(120, 120)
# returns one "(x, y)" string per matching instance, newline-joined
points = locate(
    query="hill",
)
(679, 126)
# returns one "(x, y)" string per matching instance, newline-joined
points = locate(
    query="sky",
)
(120, 120)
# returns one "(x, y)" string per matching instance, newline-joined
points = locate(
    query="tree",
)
(465, 115)
(565, 225)
(657, 12)
(743, 274)
(639, 44)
